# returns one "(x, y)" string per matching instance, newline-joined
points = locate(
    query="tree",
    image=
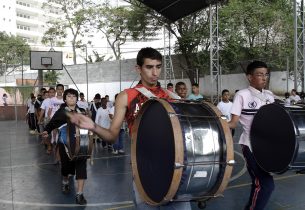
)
(247, 30)
(121, 23)
(113, 23)
(13, 51)
(75, 21)
(51, 77)
(191, 33)
(256, 30)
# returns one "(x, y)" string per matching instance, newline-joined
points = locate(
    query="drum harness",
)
(174, 96)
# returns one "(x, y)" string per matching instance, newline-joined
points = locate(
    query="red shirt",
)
(136, 100)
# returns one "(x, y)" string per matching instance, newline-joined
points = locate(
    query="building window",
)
(22, 27)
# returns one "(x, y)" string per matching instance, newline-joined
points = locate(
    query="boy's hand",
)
(45, 134)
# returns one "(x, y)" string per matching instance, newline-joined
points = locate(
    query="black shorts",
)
(76, 167)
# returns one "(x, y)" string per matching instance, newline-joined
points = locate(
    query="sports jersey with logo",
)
(245, 105)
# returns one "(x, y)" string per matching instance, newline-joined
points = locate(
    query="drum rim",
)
(179, 152)
(229, 150)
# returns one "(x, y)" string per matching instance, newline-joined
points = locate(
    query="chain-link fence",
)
(14, 99)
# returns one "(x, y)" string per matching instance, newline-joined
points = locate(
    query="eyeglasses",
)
(261, 75)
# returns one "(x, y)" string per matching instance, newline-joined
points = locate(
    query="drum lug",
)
(170, 114)
(179, 165)
(231, 162)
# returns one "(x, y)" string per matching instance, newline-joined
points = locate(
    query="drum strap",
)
(77, 138)
(149, 94)
(93, 104)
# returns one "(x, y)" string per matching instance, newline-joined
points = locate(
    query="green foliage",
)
(51, 77)
(256, 30)
(75, 20)
(13, 51)
(97, 57)
(248, 29)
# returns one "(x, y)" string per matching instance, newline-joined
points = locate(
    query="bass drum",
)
(84, 147)
(181, 151)
(278, 138)
(81, 146)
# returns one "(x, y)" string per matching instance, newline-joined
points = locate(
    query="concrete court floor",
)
(30, 180)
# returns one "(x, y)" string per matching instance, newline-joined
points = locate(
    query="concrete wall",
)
(105, 77)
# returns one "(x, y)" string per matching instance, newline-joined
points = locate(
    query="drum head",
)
(155, 151)
(273, 138)
(156, 147)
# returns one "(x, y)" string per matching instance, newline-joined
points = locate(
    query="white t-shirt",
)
(109, 104)
(83, 104)
(31, 107)
(102, 117)
(45, 106)
(245, 105)
(295, 98)
(55, 104)
(225, 108)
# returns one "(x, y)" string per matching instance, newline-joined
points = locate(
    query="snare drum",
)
(180, 151)
(278, 137)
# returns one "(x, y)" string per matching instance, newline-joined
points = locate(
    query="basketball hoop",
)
(46, 60)
(46, 66)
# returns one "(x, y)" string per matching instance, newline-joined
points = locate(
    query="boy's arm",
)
(110, 134)
(233, 122)
(57, 120)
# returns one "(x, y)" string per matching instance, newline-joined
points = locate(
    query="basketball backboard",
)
(46, 60)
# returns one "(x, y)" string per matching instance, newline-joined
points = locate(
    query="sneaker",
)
(32, 131)
(110, 147)
(115, 152)
(65, 188)
(80, 199)
(121, 151)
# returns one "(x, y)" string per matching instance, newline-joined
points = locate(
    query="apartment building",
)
(26, 19)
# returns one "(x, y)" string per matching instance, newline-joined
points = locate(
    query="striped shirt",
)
(245, 105)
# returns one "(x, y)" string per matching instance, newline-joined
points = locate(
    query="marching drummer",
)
(68, 131)
(128, 103)
(245, 105)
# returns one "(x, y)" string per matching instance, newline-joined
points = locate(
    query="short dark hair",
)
(195, 84)
(81, 94)
(178, 84)
(97, 96)
(70, 91)
(169, 84)
(255, 65)
(60, 85)
(224, 91)
(148, 52)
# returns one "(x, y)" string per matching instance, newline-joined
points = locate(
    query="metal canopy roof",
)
(176, 9)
